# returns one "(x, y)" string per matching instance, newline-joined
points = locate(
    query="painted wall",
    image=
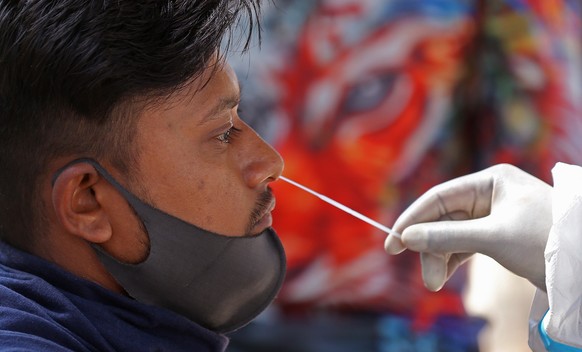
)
(372, 102)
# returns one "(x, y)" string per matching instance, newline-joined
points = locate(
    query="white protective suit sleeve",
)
(561, 307)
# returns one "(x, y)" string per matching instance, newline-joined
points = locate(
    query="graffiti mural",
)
(373, 102)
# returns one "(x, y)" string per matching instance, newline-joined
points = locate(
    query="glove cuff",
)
(549, 343)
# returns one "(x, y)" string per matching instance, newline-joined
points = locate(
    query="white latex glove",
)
(501, 212)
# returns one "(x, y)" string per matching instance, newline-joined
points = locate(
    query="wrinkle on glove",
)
(563, 259)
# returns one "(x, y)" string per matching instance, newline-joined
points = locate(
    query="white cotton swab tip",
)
(344, 208)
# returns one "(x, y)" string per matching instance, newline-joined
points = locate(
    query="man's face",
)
(200, 162)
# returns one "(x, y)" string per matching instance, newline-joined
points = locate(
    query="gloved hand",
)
(501, 212)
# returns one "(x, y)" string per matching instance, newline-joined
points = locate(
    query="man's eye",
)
(227, 136)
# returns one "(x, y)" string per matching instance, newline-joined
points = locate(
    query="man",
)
(135, 201)
(522, 223)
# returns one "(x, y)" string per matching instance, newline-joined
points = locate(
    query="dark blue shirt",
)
(45, 308)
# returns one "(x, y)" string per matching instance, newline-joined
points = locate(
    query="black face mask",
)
(220, 282)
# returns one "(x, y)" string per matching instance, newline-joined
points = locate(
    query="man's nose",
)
(262, 164)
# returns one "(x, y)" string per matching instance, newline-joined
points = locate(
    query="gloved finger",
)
(434, 270)
(467, 236)
(438, 268)
(469, 194)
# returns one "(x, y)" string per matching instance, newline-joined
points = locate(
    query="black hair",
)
(71, 72)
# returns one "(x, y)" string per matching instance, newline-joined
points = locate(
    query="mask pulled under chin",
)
(220, 282)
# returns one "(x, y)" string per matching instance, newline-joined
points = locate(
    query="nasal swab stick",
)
(344, 208)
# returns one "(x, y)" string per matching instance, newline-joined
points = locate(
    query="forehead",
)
(216, 82)
(215, 88)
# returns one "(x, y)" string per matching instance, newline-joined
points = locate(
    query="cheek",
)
(131, 243)
(218, 202)
(197, 182)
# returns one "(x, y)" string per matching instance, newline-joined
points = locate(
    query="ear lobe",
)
(77, 206)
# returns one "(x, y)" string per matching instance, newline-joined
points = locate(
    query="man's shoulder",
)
(35, 316)
(22, 342)
(24, 327)
(44, 308)
(25, 295)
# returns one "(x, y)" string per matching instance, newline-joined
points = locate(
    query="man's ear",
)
(76, 199)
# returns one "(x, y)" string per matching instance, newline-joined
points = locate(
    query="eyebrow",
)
(224, 103)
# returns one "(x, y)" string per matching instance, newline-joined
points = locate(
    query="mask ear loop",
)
(131, 199)
(101, 170)
(69, 164)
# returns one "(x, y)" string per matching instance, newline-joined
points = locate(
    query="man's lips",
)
(271, 206)
(266, 220)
